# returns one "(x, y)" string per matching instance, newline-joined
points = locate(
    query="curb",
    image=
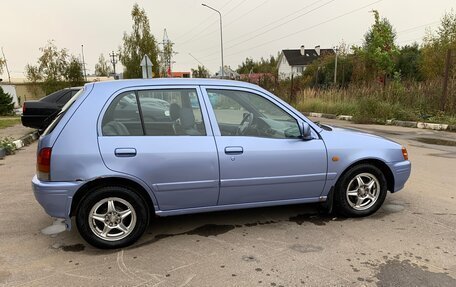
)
(26, 140)
(328, 116)
(408, 124)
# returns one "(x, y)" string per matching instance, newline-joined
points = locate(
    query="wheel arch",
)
(378, 164)
(82, 192)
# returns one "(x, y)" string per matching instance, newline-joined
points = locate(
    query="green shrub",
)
(8, 145)
(6, 103)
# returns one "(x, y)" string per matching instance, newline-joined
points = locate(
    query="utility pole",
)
(83, 63)
(113, 57)
(167, 54)
(335, 66)
(317, 84)
(6, 67)
(291, 87)
(445, 80)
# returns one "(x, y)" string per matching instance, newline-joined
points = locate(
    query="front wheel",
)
(360, 191)
(112, 217)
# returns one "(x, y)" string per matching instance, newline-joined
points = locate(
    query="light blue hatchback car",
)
(116, 155)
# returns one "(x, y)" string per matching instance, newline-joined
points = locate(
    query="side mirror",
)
(306, 132)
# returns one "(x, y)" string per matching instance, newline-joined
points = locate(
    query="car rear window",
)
(52, 98)
(62, 112)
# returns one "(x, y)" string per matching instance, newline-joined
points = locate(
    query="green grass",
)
(369, 105)
(9, 122)
(365, 111)
(322, 106)
(369, 110)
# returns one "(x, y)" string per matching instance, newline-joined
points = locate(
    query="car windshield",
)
(59, 116)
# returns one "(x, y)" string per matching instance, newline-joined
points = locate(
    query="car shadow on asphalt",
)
(213, 224)
(217, 223)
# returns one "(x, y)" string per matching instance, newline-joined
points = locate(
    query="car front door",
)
(170, 147)
(261, 154)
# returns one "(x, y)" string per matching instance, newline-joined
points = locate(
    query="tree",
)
(102, 68)
(378, 50)
(246, 67)
(436, 46)
(6, 103)
(408, 62)
(137, 44)
(321, 72)
(200, 72)
(261, 66)
(53, 62)
(73, 72)
(55, 69)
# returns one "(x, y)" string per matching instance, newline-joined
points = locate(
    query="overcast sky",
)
(253, 28)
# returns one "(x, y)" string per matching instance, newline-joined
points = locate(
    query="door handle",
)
(125, 152)
(234, 150)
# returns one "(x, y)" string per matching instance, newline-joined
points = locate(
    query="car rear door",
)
(269, 162)
(171, 148)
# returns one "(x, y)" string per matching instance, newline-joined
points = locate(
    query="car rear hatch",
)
(47, 139)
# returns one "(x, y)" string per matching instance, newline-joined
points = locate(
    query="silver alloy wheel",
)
(363, 191)
(112, 219)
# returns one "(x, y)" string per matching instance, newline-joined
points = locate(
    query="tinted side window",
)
(65, 98)
(242, 113)
(52, 98)
(171, 112)
(122, 117)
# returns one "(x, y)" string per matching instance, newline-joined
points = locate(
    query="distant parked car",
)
(158, 102)
(111, 162)
(39, 114)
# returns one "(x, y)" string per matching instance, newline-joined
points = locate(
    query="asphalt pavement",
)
(410, 241)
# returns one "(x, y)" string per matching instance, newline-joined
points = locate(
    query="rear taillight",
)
(43, 164)
(23, 108)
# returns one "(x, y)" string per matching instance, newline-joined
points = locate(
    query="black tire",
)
(124, 196)
(341, 200)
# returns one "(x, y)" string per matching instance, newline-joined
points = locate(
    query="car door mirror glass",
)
(306, 132)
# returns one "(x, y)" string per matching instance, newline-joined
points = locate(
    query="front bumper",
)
(401, 172)
(55, 197)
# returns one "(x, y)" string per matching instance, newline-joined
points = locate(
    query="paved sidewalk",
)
(15, 132)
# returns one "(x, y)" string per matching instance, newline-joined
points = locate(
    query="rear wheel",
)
(360, 191)
(112, 217)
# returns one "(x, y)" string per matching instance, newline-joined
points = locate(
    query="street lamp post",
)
(336, 49)
(83, 64)
(221, 34)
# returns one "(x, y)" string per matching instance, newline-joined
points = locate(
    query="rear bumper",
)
(401, 171)
(33, 121)
(55, 197)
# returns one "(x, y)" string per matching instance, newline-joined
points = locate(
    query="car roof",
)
(110, 87)
(119, 84)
